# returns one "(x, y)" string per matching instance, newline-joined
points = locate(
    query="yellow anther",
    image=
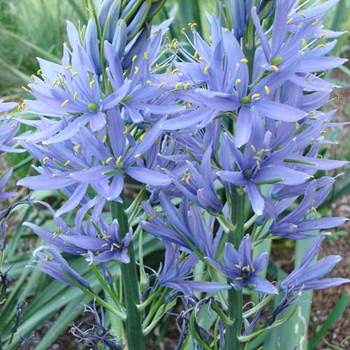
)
(54, 82)
(134, 58)
(68, 66)
(195, 54)
(186, 178)
(104, 139)
(21, 106)
(137, 155)
(193, 25)
(149, 82)
(45, 160)
(297, 126)
(244, 60)
(91, 83)
(275, 68)
(290, 20)
(64, 103)
(201, 58)
(303, 43)
(108, 160)
(323, 35)
(178, 86)
(174, 44)
(174, 71)
(75, 96)
(238, 81)
(320, 46)
(255, 96)
(302, 24)
(183, 30)
(77, 148)
(267, 90)
(146, 55)
(162, 84)
(315, 22)
(126, 130)
(24, 88)
(66, 163)
(142, 137)
(136, 70)
(38, 72)
(119, 162)
(75, 73)
(206, 69)
(187, 86)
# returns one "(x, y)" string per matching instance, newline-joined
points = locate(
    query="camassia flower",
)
(242, 270)
(73, 90)
(301, 223)
(177, 270)
(310, 273)
(3, 181)
(184, 226)
(96, 240)
(197, 182)
(50, 261)
(8, 127)
(100, 161)
(255, 168)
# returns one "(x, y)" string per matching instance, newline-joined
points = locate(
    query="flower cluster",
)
(226, 135)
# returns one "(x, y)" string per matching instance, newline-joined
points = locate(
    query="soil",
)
(339, 336)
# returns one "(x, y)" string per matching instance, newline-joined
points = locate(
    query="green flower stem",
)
(135, 337)
(235, 298)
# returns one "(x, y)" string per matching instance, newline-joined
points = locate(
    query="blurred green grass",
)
(28, 29)
(32, 28)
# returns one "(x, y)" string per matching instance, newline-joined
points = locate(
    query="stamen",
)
(64, 103)
(267, 90)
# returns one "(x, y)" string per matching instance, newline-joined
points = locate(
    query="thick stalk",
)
(135, 337)
(235, 298)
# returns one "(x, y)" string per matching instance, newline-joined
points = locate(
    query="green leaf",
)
(332, 318)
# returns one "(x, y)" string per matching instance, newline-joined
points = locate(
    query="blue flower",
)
(3, 181)
(255, 167)
(242, 270)
(50, 261)
(196, 182)
(177, 272)
(95, 239)
(300, 223)
(184, 226)
(8, 128)
(87, 159)
(310, 273)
